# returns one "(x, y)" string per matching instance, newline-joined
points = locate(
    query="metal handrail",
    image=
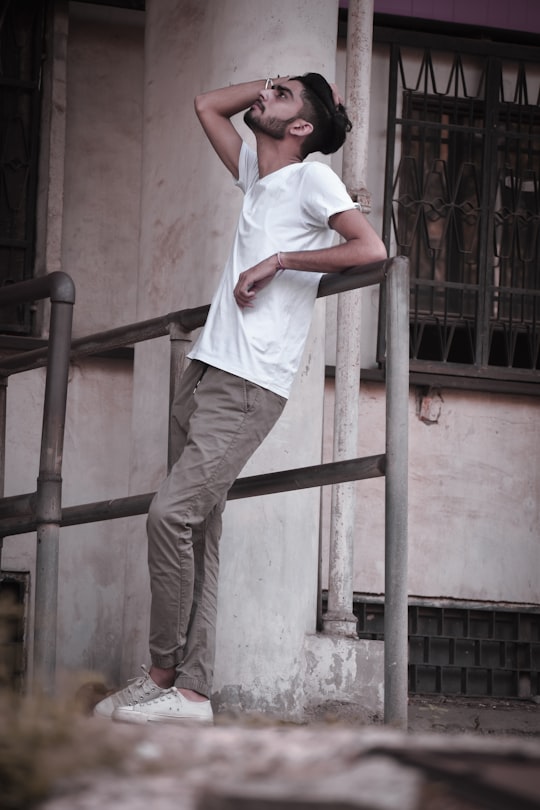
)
(17, 514)
(22, 513)
(47, 500)
(186, 319)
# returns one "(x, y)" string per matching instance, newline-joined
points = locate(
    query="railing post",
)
(49, 496)
(397, 402)
(180, 342)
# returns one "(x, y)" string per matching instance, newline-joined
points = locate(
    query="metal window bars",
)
(22, 31)
(462, 202)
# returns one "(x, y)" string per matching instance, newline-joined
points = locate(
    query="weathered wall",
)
(100, 251)
(95, 468)
(190, 205)
(97, 206)
(474, 475)
(474, 480)
(103, 152)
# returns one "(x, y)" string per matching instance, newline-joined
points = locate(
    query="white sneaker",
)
(139, 690)
(171, 706)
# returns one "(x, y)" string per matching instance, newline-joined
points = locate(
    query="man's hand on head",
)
(336, 95)
(256, 278)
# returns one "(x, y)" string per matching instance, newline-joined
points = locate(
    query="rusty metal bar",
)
(49, 496)
(42, 510)
(185, 319)
(17, 506)
(60, 289)
(318, 475)
(248, 487)
(57, 286)
(353, 278)
(396, 494)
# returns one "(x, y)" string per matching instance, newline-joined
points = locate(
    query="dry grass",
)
(47, 746)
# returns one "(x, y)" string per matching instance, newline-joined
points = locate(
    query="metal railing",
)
(47, 500)
(41, 511)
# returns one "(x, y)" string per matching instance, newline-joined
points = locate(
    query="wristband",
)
(268, 84)
(281, 266)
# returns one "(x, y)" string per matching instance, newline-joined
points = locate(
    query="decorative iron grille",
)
(21, 38)
(462, 202)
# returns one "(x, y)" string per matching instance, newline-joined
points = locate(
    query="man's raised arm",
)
(215, 109)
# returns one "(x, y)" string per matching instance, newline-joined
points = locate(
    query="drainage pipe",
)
(339, 618)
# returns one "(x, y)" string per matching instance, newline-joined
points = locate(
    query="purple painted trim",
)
(514, 15)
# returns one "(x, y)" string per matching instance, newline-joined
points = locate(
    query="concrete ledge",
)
(344, 679)
(175, 767)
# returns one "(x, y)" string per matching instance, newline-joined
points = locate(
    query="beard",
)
(273, 127)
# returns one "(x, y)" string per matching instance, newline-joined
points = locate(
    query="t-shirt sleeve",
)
(248, 168)
(324, 194)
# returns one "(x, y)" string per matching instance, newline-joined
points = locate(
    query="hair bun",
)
(331, 121)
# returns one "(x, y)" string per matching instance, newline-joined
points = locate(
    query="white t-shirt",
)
(286, 211)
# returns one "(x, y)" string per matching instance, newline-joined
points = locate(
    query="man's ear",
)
(301, 128)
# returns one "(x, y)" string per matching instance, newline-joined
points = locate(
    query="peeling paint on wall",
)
(429, 402)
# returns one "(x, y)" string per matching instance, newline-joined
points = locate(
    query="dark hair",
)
(330, 121)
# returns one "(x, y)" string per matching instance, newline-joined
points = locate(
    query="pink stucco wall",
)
(516, 15)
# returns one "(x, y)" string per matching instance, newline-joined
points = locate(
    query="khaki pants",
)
(218, 422)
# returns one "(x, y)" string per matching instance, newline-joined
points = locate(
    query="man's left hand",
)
(256, 278)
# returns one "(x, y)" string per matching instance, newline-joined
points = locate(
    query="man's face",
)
(275, 109)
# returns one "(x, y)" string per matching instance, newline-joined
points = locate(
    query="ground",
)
(459, 754)
(493, 716)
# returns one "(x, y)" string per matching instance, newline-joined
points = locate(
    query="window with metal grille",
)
(21, 38)
(464, 650)
(462, 202)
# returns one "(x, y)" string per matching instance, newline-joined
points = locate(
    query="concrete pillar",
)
(189, 208)
(339, 618)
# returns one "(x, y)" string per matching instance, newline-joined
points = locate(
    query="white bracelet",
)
(281, 266)
(268, 84)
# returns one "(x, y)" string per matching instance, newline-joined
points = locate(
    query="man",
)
(243, 364)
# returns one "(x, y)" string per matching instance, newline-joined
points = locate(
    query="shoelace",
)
(140, 682)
